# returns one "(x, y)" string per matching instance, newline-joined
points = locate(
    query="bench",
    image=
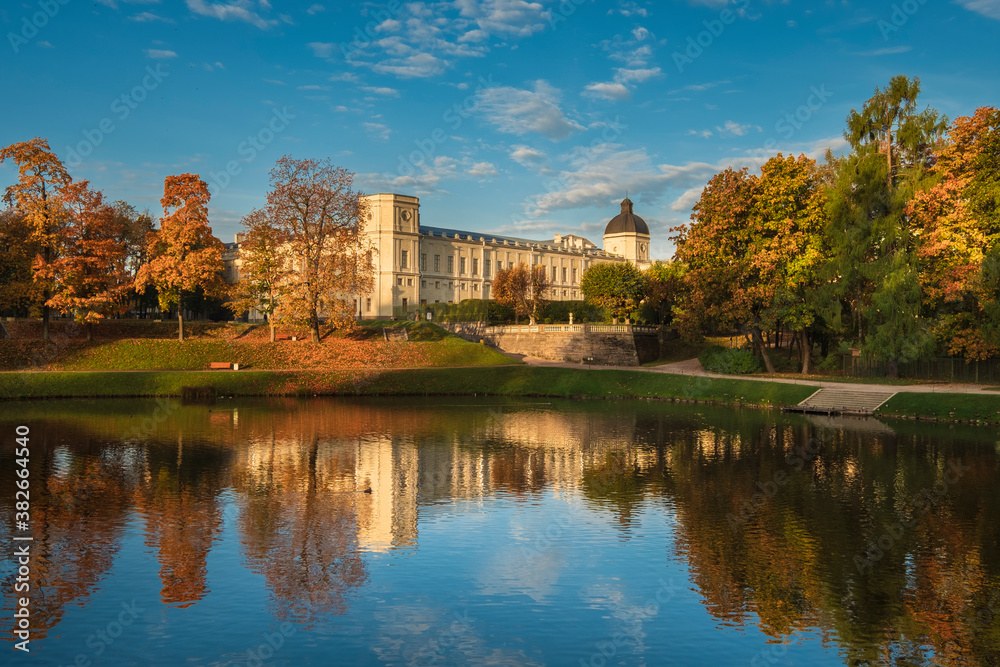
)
(223, 365)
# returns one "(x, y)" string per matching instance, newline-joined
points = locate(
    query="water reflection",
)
(882, 541)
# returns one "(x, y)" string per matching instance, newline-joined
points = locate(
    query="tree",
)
(521, 289)
(18, 289)
(184, 255)
(264, 267)
(37, 195)
(89, 279)
(315, 208)
(617, 286)
(664, 285)
(959, 241)
(872, 268)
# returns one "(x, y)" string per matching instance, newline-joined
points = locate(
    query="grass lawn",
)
(948, 407)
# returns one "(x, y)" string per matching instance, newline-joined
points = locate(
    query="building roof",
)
(505, 240)
(627, 222)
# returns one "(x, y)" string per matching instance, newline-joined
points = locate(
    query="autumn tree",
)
(263, 268)
(617, 286)
(18, 289)
(521, 289)
(38, 198)
(184, 255)
(315, 207)
(89, 278)
(959, 241)
(664, 283)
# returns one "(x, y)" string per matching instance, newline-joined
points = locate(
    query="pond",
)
(452, 531)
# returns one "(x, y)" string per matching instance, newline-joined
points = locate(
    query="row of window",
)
(404, 263)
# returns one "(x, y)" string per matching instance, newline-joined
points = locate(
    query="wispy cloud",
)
(160, 53)
(237, 10)
(149, 17)
(607, 91)
(515, 111)
(483, 170)
(888, 51)
(988, 8)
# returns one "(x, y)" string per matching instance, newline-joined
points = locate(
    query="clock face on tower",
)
(406, 215)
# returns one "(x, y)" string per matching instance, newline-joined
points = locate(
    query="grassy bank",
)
(944, 407)
(495, 380)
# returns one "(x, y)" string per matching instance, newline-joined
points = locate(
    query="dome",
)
(626, 222)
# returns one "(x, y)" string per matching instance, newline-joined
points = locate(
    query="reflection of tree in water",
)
(77, 518)
(517, 470)
(796, 555)
(617, 481)
(299, 528)
(179, 499)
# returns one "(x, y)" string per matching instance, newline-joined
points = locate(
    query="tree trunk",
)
(892, 369)
(271, 325)
(45, 318)
(805, 345)
(90, 332)
(180, 324)
(314, 326)
(759, 342)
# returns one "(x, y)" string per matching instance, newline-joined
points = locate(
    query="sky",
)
(526, 118)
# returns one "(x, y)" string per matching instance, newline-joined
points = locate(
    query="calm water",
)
(498, 532)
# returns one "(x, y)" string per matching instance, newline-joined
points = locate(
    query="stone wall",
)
(607, 345)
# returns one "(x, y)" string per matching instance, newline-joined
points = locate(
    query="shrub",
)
(735, 361)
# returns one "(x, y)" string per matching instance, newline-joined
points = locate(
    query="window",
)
(405, 302)
(368, 305)
(574, 276)
(510, 265)
(461, 266)
(409, 282)
(451, 285)
(486, 268)
(475, 288)
(437, 285)
(404, 259)
(475, 266)
(399, 281)
(437, 262)
(499, 266)
(423, 283)
(555, 275)
(423, 261)
(564, 277)
(451, 264)
(463, 287)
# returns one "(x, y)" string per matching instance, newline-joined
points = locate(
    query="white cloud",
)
(637, 75)
(699, 87)
(322, 49)
(423, 178)
(687, 200)
(526, 156)
(516, 111)
(381, 90)
(160, 53)
(313, 86)
(607, 91)
(734, 129)
(378, 130)
(315, 9)
(149, 17)
(988, 8)
(236, 10)
(705, 134)
(483, 170)
(45, 44)
(630, 9)
(640, 33)
(888, 51)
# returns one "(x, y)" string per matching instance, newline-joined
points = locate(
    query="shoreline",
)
(512, 380)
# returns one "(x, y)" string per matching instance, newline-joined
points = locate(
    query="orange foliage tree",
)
(959, 244)
(89, 278)
(38, 197)
(184, 254)
(521, 289)
(264, 267)
(316, 209)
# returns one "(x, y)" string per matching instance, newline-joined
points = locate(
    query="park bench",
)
(222, 365)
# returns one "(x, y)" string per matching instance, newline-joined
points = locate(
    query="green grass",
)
(493, 380)
(948, 407)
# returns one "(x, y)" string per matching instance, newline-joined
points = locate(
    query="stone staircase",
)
(837, 401)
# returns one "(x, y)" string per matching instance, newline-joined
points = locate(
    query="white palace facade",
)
(417, 265)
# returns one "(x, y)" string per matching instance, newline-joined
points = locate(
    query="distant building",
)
(417, 265)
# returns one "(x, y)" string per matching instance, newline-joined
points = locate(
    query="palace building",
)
(417, 265)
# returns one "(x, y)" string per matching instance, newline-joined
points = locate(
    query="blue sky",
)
(522, 117)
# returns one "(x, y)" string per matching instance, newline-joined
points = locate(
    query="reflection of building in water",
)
(388, 518)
